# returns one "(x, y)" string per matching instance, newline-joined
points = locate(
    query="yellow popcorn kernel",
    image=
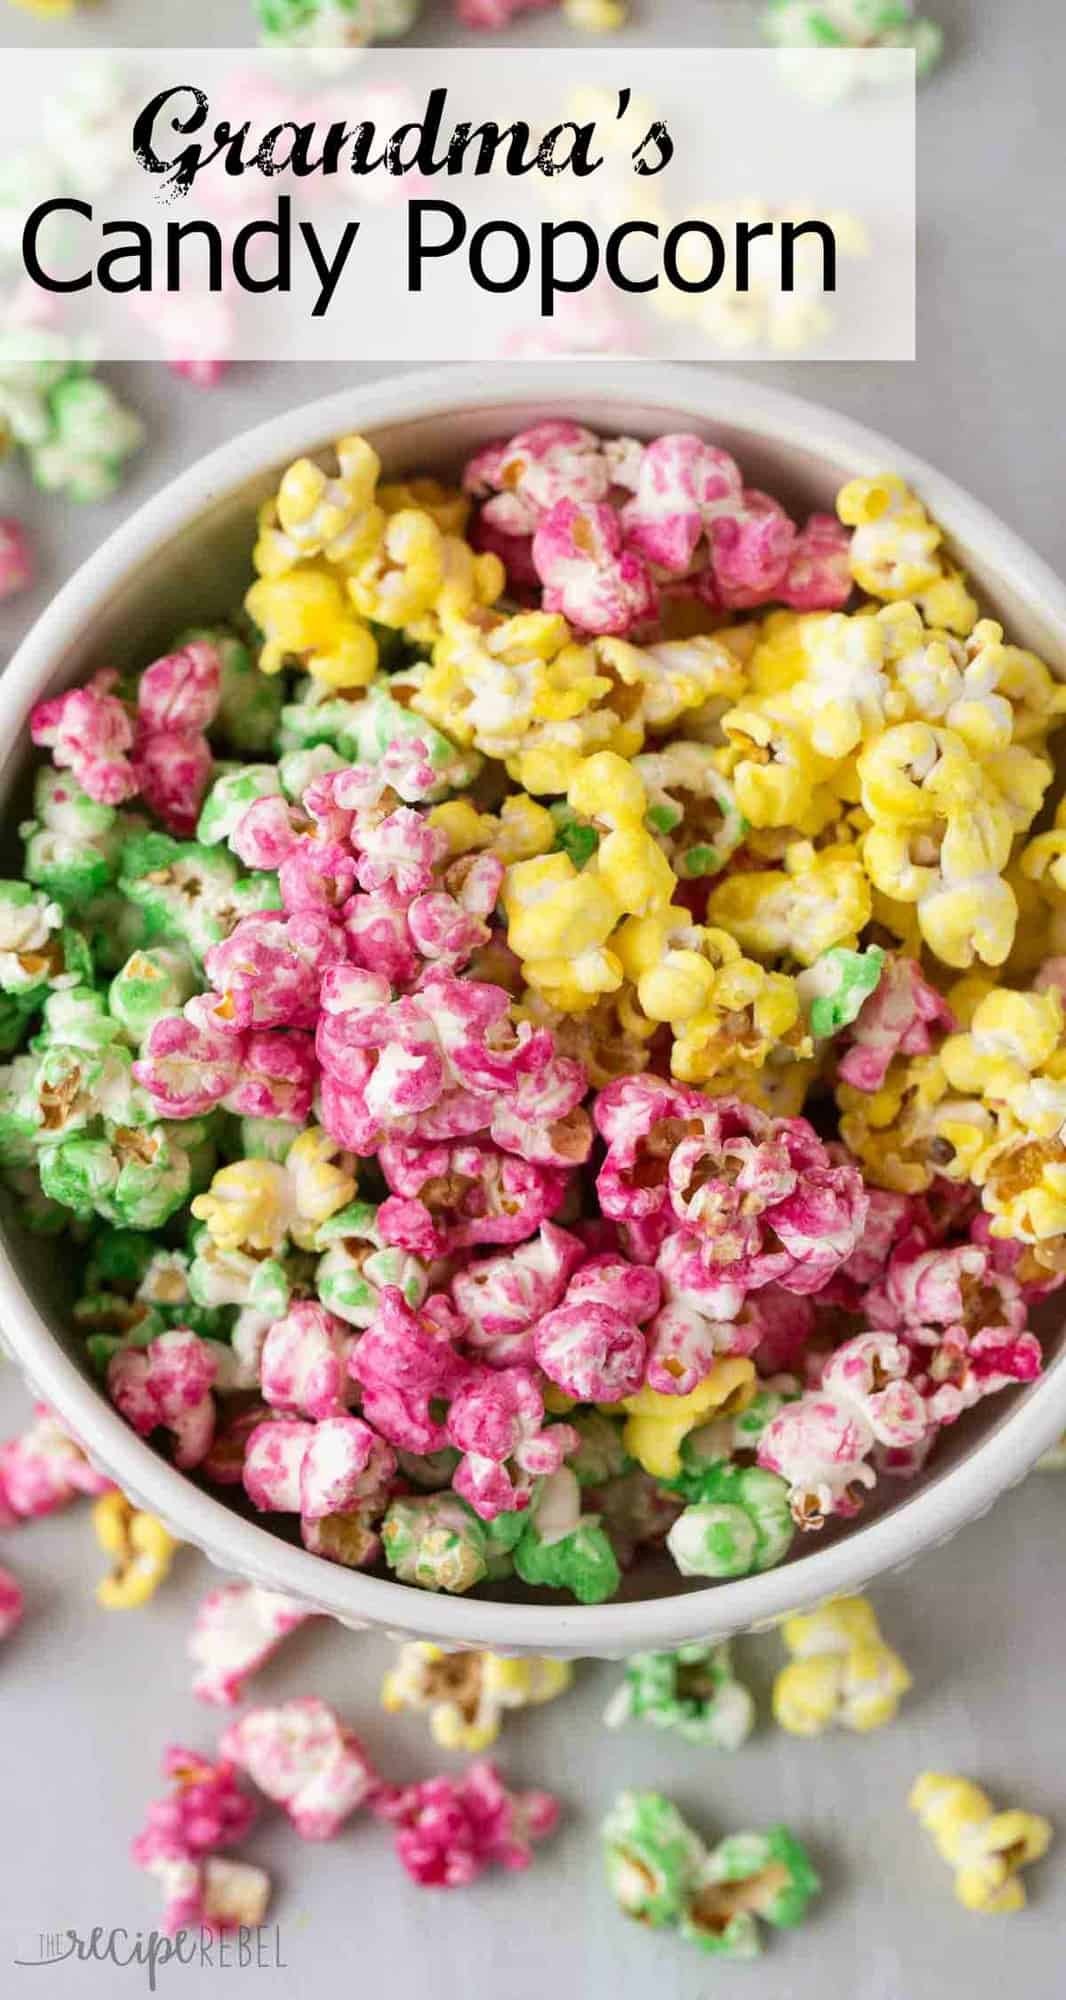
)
(1011, 1036)
(657, 1425)
(320, 1180)
(399, 580)
(305, 621)
(1024, 1188)
(986, 1848)
(751, 1013)
(246, 1206)
(673, 675)
(466, 830)
(841, 1671)
(141, 1549)
(776, 774)
(821, 898)
(333, 516)
(524, 829)
(553, 910)
(468, 1695)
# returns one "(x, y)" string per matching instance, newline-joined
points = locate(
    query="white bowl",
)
(182, 558)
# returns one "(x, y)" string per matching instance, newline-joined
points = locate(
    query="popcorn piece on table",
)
(43, 1469)
(661, 1873)
(205, 1810)
(693, 1692)
(469, 1695)
(237, 1629)
(141, 1550)
(449, 1831)
(304, 1759)
(841, 1671)
(986, 1848)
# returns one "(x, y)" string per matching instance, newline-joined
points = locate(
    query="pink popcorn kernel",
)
(542, 1117)
(317, 876)
(43, 1469)
(902, 1016)
(449, 1197)
(304, 1362)
(188, 1063)
(642, 1119)
(762, 1197)
(953, 1285)
(277, 1076)
(496, 1420)
(12, 1603)
(962, 1368)
(554, 460)
(268, 970)
(500, 1297)
(90, 733)
(205, 1810)
(306, 1760)
(224, 1462)
(167, 1386)
(682, 485)
(594, 1353)
(450, 1830)
(822, 1443)
(236, 1630)
(408, 1366)
(818, 577)
(586, 572)
(181, 690)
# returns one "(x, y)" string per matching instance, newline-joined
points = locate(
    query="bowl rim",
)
(243, 1547)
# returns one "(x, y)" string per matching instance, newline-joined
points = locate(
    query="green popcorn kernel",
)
(72, 871)
(60, 805)
(653, 1859)
(152, 982)
(299, 768)
(91, 436)
(560, 1548)
(78, 1019)
(355, 1265)
(31, 955)
(436, 1541)
(746, 1877)
(134, 1176)
(832, 990)
(229, 798)
(693, 1692)
(742, 1524)
(184, 890)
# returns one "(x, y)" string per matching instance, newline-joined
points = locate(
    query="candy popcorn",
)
(304, 1759)
(660, 1872)
(411, 1003)
(141, 1550)
(449, 1831)
(468, 1695)
(986, 1848)
(841, 1671)
(42, 1470)
(693, 1691)
(204, 1811)
(237, 1628)
(821, 1444)
(329, 24)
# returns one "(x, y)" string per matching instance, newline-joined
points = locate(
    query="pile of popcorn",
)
(547, 1035)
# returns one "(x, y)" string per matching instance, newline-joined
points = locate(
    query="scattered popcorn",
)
(841, 1671)
(986, 1848)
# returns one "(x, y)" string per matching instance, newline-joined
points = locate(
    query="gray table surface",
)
(88, 1700)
